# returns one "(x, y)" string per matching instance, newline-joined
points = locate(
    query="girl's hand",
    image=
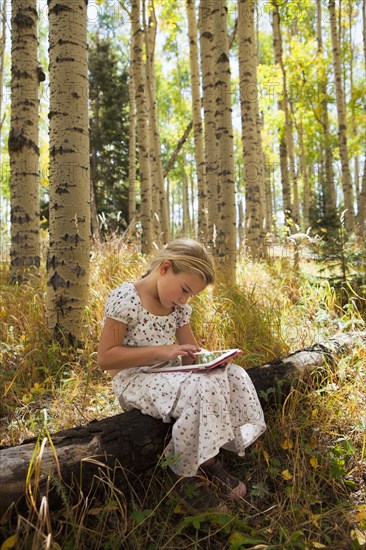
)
(176, 350)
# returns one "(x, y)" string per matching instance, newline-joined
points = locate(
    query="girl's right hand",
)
(173, 351)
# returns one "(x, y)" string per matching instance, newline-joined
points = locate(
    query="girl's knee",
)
(233, 369)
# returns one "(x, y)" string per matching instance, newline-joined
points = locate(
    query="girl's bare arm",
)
(184, 336)
(114, 356)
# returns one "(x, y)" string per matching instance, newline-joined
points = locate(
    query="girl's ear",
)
(165, 266)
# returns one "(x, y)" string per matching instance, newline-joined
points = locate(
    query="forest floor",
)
(306, 475)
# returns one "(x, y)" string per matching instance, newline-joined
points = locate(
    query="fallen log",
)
(131, 441)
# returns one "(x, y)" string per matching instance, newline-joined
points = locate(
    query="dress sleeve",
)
(121, 305)
(183, 315)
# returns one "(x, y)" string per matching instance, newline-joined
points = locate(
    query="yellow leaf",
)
(359, 536)
(361, 513)
(266, 456)
(9, 543)
(318, 545)
(287, 475)
(287, 444)
(180, 510)
(314, 413)
(314, 461)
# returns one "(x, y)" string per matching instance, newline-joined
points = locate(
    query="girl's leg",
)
(229, 487)
(213, 410)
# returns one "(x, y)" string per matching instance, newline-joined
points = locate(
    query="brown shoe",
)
(229, 487)
(197, 496)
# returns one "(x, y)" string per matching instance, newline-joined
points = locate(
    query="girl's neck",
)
(147, 290)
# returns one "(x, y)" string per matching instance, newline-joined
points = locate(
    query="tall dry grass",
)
(306, 476)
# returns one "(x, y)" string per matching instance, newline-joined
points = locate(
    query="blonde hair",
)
(186, 255)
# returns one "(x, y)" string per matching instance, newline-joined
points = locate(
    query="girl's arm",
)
(185, 335)
(112, 355)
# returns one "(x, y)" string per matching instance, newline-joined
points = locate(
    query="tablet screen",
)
(208, 357)
(205, 360)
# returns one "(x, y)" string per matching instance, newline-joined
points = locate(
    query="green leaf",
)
(238, 539)
(141, 515)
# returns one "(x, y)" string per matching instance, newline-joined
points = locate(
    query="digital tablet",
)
(206, 360)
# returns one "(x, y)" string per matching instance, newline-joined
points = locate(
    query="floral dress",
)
(215, 409)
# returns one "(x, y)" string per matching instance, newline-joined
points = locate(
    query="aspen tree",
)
(209, 110)
(250, 124)
(305, 180)
(362, 205)
(142, 128)
(69, 246)
(23, 141)
(328, 188)
(342, 123)
(282, 105)
(226, 236)
(199, 147)
(159, 202)
(132, 142)
(361, 219)
(3, 28)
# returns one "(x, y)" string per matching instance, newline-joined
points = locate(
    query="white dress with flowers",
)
(215, 409)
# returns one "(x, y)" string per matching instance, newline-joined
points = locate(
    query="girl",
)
(147, 322)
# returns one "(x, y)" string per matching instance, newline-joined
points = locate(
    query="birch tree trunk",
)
(266, 217)
(94, 220)
(328, 188)
(362, 199)
(252, 150)
(364, 29)
(23, 141)
(209, 108)
(342, 123)
(291, 153)
(305, 179)
(142, 128)
(282, 105)
(241, 223)
(362, 205)
(160, 213)
(268, 196)
(353, 114)
(2, 58)
(69, 248)
(132, 141)
(226, 234)
(3, 27)
(186, 221)
(199, 146)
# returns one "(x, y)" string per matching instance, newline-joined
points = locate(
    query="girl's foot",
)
(229, 487)
(197, 497)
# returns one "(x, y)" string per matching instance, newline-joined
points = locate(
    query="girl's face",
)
(175, 289)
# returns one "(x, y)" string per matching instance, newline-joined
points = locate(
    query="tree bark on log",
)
(131, 442)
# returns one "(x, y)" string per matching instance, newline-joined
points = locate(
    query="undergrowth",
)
(306, 475)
